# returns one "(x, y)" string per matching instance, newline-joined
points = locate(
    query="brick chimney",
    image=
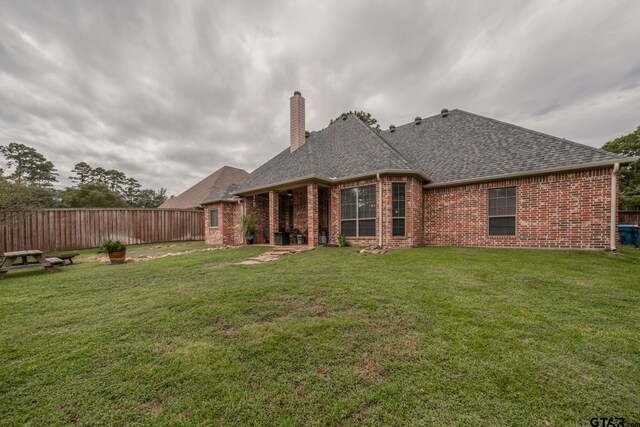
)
(297, 121)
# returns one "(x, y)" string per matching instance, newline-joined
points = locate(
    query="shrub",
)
(342, 240)
(111, 246)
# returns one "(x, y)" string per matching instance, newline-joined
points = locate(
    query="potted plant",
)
(248, 228)
(116, 251)
(323, 235)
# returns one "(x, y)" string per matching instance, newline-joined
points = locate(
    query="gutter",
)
(614, 205)
(534, 172)
(212, 201)
(379, 209)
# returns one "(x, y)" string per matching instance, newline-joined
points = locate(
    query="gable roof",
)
(447, 150)
(195, 195)
(224, 194)
(344, 149)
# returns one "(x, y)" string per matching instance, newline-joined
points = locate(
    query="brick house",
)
(455, 178)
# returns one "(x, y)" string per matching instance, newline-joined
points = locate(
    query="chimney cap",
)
(444, 112)
(297, 93)
(418, 120)
(392, 128)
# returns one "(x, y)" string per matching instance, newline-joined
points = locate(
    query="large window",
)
(502, 211)
(213, 217)
(358, 211)
(398, 205)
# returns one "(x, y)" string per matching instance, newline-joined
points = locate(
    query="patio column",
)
(312, 214)
(273, 216)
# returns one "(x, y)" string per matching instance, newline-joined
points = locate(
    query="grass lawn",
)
(449, 336)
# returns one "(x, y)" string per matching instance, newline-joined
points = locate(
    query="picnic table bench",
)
(63, 257)
(10, 258)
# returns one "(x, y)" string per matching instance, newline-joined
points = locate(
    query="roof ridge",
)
(423, 118)
(564, 140)
(391, 147)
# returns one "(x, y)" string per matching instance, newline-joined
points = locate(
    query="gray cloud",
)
(170, 91)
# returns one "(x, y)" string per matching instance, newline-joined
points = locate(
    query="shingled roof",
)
(194, 196)
(464, 146)
(442, 150)
(344, 149)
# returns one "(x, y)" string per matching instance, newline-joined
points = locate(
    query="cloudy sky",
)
(168, 91)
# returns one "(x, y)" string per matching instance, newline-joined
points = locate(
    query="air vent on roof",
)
(392, 128)
(418, 120)
(344, 116)
(444, 112)
(306, 134)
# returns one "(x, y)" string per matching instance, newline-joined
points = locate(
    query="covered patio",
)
(296, 215)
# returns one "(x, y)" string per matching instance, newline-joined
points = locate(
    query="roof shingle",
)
(461, 146)
(195, 195)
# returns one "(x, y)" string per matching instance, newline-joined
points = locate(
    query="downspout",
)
(614, 204)
(380, 208)
(241, 218)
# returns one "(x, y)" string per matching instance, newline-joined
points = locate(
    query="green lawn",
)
(448, 336)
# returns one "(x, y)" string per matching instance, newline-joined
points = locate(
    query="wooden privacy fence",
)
(63, 229)
(629, 217)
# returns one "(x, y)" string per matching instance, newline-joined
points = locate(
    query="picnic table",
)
(63, 257)
(10, 258)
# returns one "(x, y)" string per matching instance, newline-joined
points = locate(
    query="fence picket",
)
(64, 229)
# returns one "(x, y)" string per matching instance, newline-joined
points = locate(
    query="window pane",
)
(367, 227)
(367, 202)
(502, 201)
(348, 203)
(349, 228)
(213, 217)
(398, 227)
(502, 226)
(398, 200)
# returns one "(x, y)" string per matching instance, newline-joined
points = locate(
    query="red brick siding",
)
(300, 209)
(228, 230)
(413, 221)
(567, 210)
(274, 215)
(312, 215)
(414, 216)
(258, 207)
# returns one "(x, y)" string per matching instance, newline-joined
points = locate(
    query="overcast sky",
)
(169, 91)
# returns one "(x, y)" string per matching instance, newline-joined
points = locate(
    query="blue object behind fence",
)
(628, 234)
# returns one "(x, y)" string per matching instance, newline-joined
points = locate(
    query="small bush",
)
(111, 246)
(342, 240)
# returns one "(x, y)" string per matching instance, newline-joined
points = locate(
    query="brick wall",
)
(258, 207)
(567, 210)
(313, 215)
(300, 209)
(413, 220)
(228, 231)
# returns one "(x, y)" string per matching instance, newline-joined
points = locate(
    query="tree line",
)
(628, 145)
(28, 180)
